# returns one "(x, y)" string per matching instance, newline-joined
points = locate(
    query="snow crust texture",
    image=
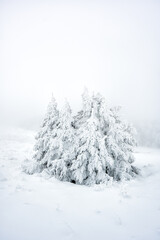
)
(33, 207)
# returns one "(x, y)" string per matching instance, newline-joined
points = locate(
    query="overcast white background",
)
(61, 46)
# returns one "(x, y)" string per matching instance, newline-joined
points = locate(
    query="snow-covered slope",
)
(33, 207)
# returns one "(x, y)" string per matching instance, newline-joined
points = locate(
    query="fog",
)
(60, 47)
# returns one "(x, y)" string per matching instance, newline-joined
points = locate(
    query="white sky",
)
(61, 46)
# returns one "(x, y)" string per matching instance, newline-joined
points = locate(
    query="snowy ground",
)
(36, 208)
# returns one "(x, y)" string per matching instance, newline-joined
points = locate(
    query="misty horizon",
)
(61, 47)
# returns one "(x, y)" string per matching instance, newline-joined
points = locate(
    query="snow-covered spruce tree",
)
(119, 138)
(64, 147)
(92, 163)
(118, 135)
(120, 142)
(47, 130)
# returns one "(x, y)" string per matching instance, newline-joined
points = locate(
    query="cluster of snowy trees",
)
(93, 147)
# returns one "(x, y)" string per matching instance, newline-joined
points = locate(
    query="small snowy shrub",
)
(93, 147)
